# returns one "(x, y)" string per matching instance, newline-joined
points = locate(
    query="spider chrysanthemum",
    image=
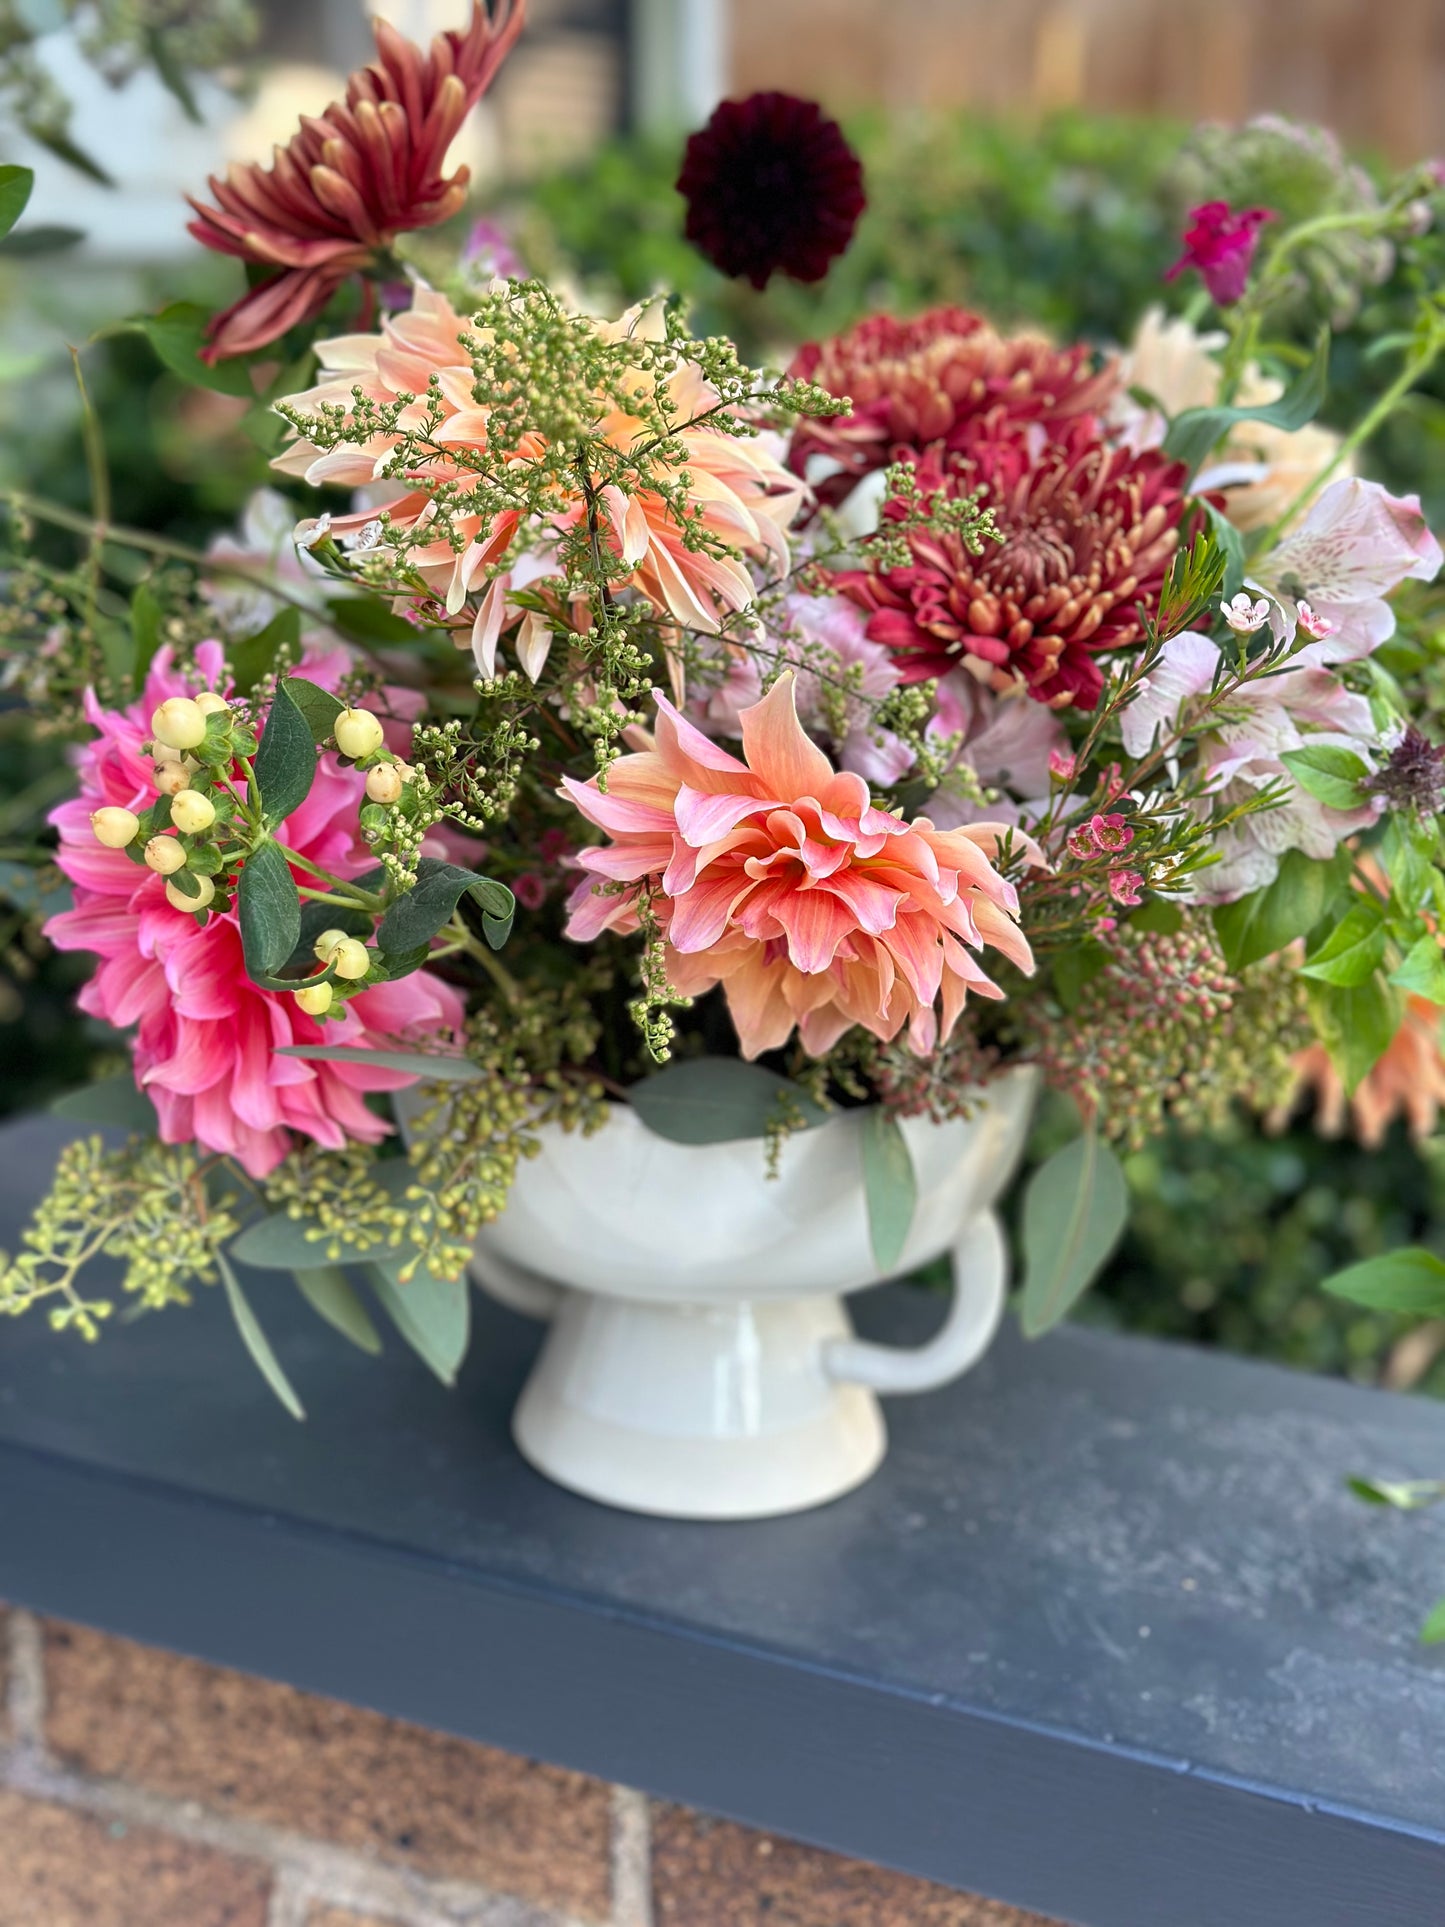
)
(772, 187)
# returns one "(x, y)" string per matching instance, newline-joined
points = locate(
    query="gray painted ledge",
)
(1106, 1638)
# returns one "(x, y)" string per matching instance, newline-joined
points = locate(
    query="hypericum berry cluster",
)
(187, 835)
(1163, 1029)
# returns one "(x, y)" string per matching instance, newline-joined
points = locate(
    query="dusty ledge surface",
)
(1106, 1637)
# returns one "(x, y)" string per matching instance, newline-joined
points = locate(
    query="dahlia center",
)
(1035, 558)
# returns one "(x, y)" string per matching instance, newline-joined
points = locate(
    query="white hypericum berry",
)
(172, 778)
(178, 900)
(326, 943)
(383, 784)
(164, 855)
(114, 827)
(191, 812)
(179, 723)
(350, 959)
(357, 733)
(210, 704)
(315, 1000)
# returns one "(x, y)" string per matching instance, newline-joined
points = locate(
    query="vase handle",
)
(980, 1286)
(513, 1285)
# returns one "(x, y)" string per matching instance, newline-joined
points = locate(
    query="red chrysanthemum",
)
(772, 187)
(943, 377)
(1087, 530)
(346, 185)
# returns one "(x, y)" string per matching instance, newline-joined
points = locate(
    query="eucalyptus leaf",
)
(435, 1068)
(280, 1242)
(416, 917)
(718, 1100)
(1409, 1280)
(16, 184)
(269, 910)
(1267, 921)
(330, 1293)
(285, 764)
(58, 143)
(1074, 1211)
(890, 1186)
(1195, 431)
(47, 237)
(115, 1101)
(432, 1314)
(256, 1341)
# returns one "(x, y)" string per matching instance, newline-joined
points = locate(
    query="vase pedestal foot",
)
(695, 1411)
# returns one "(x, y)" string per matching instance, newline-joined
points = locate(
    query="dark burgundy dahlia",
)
(772, 187)
(945, 376)
(1088, 531)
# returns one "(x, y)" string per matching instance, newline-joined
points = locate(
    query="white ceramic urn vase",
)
(699, 1361)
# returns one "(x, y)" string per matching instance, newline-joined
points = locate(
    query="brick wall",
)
(139, 1789)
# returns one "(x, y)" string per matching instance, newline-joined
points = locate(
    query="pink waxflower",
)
(1219, 245)
(1125, 887)
(1063, 766)
(206, 1036)
(1110, 832)
(778, 878)
(1357, 544)
(1242, 750)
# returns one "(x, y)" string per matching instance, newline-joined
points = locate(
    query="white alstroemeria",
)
(1357, 544)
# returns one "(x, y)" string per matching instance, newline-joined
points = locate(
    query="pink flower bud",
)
(1062, 766)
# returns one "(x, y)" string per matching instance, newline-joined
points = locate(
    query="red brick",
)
(343, 1917)
(59, 1868)
(248, 1747)
(711, 1873)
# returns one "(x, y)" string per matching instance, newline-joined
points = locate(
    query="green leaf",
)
(890, 1186)
(1410, 1280)
(285, 764)
(111, 1100)
(329, 913)
(256, 1341)
(1232, 543)
(1432, 1633)
(1331, 774)
(717, 1100)
(178, 334)
(256, 656)
(1406, 1495)
(269, 909)
(432, 1314)
(170, 72)
(1075, 969)
(415, 918)
(1195, 431)
(1353, 950)
(16, 184)
(280, 1242)
(1267, 921)
(1160, 916)
(1407, 850)
(436, 1069)
(1423, 970)
(365, 618)
(1075, 1209)
(30, 243)
(64, 149)
(318, 706)
(145, 628)
(1356, 1024)
(328, 1290)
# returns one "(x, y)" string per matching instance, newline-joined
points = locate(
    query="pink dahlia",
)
(776, 877)
(206, 1036)
(937, 378)
(1088, 532)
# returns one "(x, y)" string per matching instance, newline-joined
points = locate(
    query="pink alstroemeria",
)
(206, 1036)
(777, 877)
(1357, 544)
(1219, 245)
(1242, 750)
(1009, 744)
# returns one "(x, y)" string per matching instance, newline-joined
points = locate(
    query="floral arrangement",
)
(629, 725)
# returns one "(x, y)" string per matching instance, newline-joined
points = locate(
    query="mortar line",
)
(631, 1858)
(25, 1682)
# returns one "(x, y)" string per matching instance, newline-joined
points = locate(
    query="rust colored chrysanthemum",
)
(342, 189)
(1087, 531)
(772, 187)
(938, 378)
